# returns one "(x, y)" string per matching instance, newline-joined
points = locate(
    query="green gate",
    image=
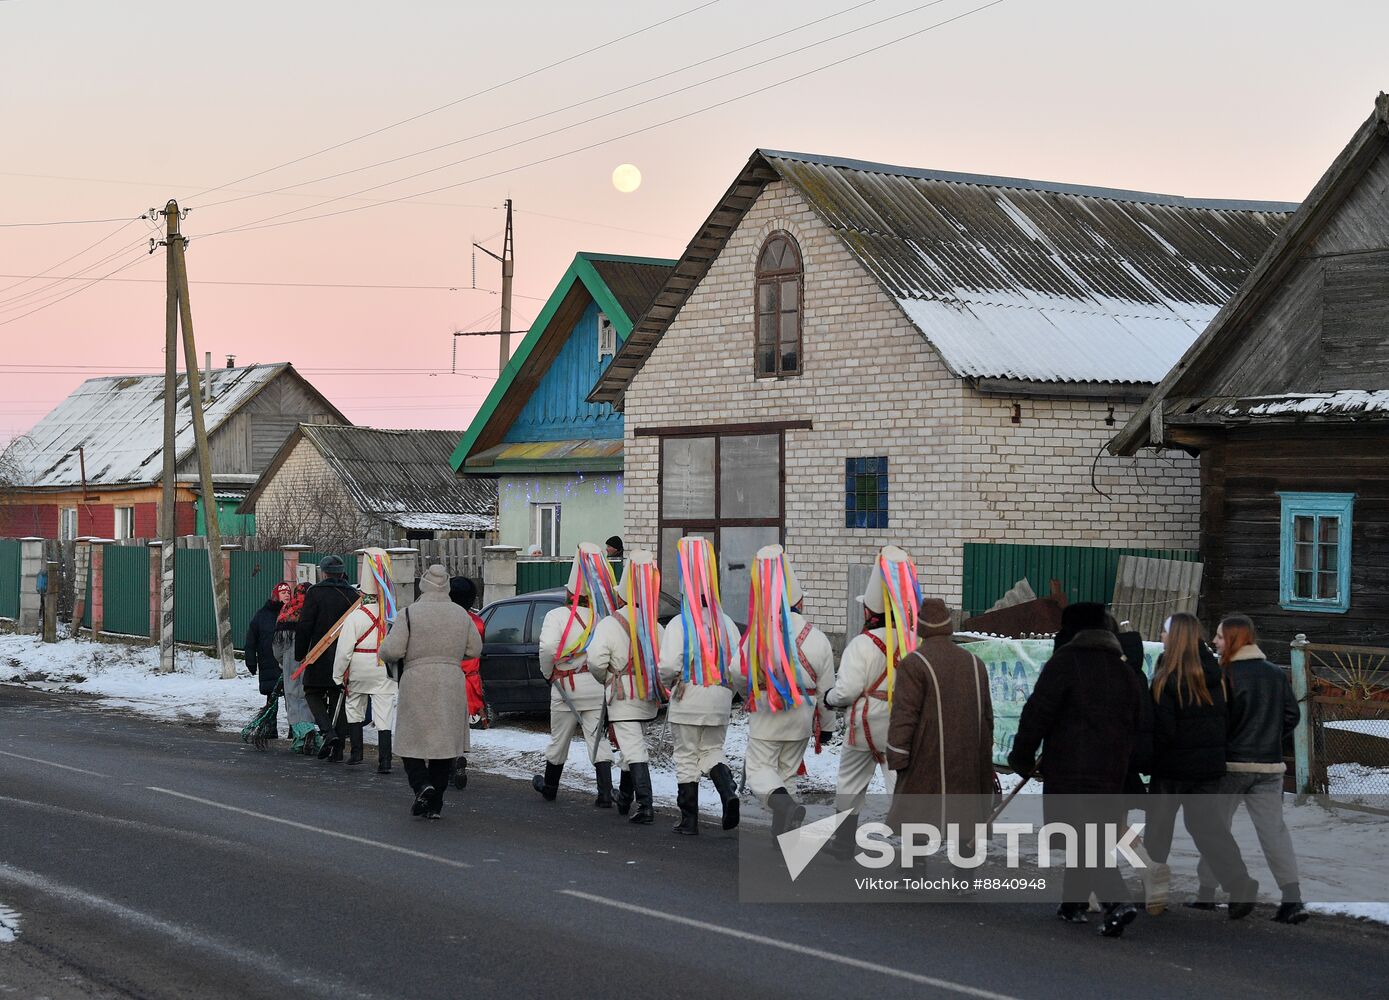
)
(194, 620)
(547, 574)
(1086, 573)
(253, 577)
(125, 589)
(9, 578)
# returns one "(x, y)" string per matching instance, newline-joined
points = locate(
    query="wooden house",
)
(94, 465)
(850, 354)
(557, 458)
(1285, 397)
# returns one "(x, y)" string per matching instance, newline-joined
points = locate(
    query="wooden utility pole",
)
(221, 601)
(167, 522)
(507, 258)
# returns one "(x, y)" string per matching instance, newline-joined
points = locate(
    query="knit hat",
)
(332, 566)
(934, 619)
(435, 580)
(615, 543)
(462, 591)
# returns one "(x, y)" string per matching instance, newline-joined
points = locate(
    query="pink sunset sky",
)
(112, 107)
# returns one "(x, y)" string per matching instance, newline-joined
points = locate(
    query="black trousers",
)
(421, 772)
(322, 701)
(1088, 815)
(1201, 815)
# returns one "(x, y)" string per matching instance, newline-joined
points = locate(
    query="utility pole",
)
(220, 596)
(167, 523)
(507, 258)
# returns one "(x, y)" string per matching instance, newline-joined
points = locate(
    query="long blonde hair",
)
(1182, 660)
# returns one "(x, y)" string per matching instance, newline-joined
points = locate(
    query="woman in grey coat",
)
(428, 642)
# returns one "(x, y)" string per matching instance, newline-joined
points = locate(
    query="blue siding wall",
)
(557, 410)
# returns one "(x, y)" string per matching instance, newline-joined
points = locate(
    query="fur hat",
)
(637, 558)
(935, 618)
(872, 597)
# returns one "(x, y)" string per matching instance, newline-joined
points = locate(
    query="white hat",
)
(872, 597)
(769, 553)
(366, 580)
(584, 548)
(636, 557)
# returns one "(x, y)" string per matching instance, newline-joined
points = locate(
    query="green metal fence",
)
(253, 577)
(125, 583)
(1086, 573)
(194, 620)
(545, 574)
(9, 578)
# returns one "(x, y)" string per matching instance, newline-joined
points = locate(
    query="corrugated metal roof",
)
(1012, 278)
(397, 472)
(634, 283)
(116, 425)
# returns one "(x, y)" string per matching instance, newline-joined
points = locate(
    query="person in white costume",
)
(357, 665)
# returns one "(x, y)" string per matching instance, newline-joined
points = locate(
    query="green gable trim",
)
(580, 270)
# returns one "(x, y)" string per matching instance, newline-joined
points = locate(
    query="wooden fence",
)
(1147, 590)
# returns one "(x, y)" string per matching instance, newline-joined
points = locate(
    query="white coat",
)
(861, 687)
(581, 686)
(610, 661)
(357, 658)
(695, 704)
(796, 723)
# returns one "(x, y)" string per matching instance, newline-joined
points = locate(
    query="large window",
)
(727, 487)
(124, 523)
(1315, 532)
(780, 282)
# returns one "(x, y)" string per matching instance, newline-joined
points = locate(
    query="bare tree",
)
(14, 478)
(314, 511)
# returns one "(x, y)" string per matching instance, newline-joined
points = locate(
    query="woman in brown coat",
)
(941, 733)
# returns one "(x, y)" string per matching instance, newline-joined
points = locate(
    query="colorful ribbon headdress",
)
(379, 569)
(901, 605)
(641, 589)
(708, 647)
(772, 656)
(591, 577)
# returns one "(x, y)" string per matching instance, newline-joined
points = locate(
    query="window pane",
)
(766, 330)
(1330, 528)
(542, 608)
(1327, 586)
(1303, 528)
(687, 478)
(766, 297)
(790, 296)
(1328, 555)
(670, 557)
(790, 360)
(771, 256)
(1303, 557)
(766, 360)
(1302, 585)
(789, 331)
(739, 545)
(750, 477)
(547, 531)
(507, 623)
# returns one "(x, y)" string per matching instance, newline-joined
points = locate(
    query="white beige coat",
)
(797, 723)
(695, 704)
(581, 686)
(363, 669)
(862, 668)
(610, 661)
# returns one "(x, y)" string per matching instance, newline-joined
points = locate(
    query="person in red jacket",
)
(463, 592)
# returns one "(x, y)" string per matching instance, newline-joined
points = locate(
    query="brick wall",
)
(305, 501)
(960, 470)
(93, 519)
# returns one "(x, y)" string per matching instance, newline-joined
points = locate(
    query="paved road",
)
(144, 863)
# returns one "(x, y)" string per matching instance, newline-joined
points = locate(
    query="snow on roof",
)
(115, 425)
(1342, 401)
(443, 522)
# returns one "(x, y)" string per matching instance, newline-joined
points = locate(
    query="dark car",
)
(511, 676)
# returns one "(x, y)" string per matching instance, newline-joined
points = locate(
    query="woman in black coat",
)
(260, 637)
(1189, 733)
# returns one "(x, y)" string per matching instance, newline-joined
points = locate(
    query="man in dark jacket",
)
(260, 637)
(1084, 713)
(326, 603)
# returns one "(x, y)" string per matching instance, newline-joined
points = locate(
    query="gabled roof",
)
(399, 475)
(1221, 336)
(623, 288)
(1006, 277)
(115, 426)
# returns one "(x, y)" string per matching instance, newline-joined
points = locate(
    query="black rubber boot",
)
(1292, 911)
(460, 773)
(335, 752)
(1117, 916)
(727, 787)
(687, 798)
(624, 793)
(641, 789)
(604, 770)
(424, 801)
(548, 786)
(326, 743)
(844, 844)
(354, 735)
(1242, 902)
(787, 813)
(383, 752)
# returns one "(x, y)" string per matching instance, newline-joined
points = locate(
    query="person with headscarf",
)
(260, 646)
(864, 683)
(623, 658)
(787, 665)
(357, 667)
(463, 592)
(576, 697)
(297, 714)
(697, 665)
(325, 606)
(428, 641)
(940, 733)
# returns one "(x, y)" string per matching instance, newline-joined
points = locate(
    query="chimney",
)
(207, 377)
(231, 360)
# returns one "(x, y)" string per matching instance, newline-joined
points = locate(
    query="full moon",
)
(626, 178)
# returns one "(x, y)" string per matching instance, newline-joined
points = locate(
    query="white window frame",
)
(539, 511)
(607, 337)
(121, 531)
(67, 523)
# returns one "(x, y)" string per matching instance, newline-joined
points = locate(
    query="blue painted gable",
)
(558, 409)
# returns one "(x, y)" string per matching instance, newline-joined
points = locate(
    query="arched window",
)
(779, 282)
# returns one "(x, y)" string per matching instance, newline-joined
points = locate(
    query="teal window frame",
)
(1320, 507)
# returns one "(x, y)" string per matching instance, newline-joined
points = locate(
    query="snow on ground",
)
(1337, 849)
(9, 924)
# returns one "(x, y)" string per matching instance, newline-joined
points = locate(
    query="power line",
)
(62, 222)
(70, 294)
(276, 284)
(79, 253)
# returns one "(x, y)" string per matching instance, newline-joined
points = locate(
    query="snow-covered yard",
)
(1337, 848)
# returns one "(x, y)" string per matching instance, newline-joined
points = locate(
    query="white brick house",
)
(985, 336)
